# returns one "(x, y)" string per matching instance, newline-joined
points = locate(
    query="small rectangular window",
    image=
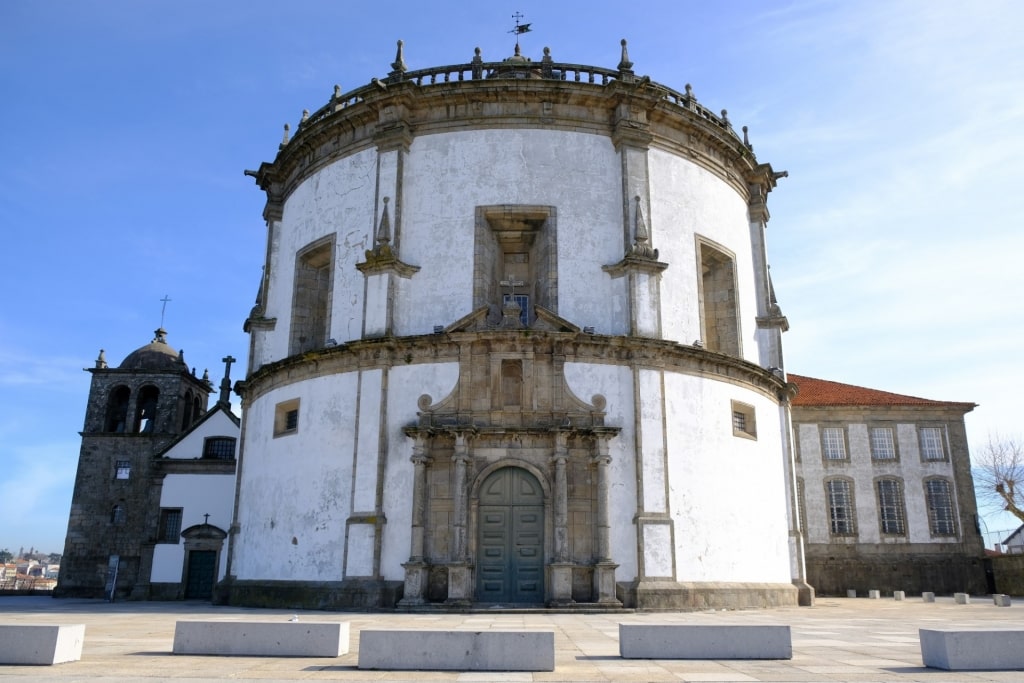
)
(833, 443)
(931, 443)
(286, 417)
(883, 446)
(744, 422)
(170, 525)
(122, 469)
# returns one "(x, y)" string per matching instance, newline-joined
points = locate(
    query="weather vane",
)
(520, 29)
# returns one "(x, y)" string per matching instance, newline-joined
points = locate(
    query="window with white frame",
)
(286, 417)
(122, 469)
(883, 445)
(931, 443)
(833, 443)
(939, 497)
(841, 513)
(891, 516)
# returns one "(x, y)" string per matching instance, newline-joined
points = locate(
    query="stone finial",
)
(287, 131)
(337, 92)
(624, 63)
(641, 226)
(725, 117)
(101, 360)
(206, 377)
(547, 54)
(384, 229)
(746, 139)
(398, 66)
(641, 248)
(689, 93)
(305, 116)
(545, 63)
(160, 336)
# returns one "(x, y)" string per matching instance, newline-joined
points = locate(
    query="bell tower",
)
(134, 411)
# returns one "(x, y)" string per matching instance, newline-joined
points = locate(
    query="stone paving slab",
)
(839, 639)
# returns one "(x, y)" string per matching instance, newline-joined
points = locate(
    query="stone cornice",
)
(635, 112)
(573, 347)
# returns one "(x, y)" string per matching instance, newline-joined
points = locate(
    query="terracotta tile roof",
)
(822, 392)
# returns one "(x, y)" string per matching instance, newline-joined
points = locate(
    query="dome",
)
(156, 355)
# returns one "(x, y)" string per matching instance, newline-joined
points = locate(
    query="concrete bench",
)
(261, 638)
(41, 644)
(457, 650)
(702, 641)
(973, 650)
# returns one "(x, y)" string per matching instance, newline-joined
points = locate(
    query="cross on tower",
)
(163, 309)
(225, 384)
(206, 519)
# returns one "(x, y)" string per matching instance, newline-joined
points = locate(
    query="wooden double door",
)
(510, 538)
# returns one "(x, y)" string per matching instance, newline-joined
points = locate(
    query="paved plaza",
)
(839, 639)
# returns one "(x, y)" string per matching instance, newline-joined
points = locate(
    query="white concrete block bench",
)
(704, 641)
(261, 638)
(972, 650)
(457, 650)
(41, 644)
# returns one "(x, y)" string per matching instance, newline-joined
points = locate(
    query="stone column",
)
(604, 568)
(460, 579)
(560, 570)
(416, 567)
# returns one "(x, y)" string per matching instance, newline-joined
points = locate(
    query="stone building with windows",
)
(884, 491)
(152, 498)
(515, 343)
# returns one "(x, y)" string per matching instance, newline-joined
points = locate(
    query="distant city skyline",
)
(127, 127)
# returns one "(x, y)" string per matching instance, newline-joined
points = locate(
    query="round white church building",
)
(515, 344)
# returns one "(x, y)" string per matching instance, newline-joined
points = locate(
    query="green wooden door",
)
(201, 566)
(510, 542)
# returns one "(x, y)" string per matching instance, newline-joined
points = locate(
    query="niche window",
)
(719, 312)
(118, 516)
(186, 411)
(286, 417)
(516, 256)
(744, 421)
(311, 301)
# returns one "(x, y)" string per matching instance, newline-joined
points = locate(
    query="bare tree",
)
(999, 474)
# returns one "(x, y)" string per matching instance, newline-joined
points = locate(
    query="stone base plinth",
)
(704, 641)
(31, 644)
(457, 650)
(261, 638)
(972, 650)
(686, 596)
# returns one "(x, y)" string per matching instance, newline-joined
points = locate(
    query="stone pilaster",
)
(460, 574)
(416, 567)
(604, 568)
(560, 570)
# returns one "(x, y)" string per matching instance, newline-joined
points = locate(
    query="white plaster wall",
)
(687, 200)
(296, 489)
(908, 467)
(727, 493)
(337, 199)
(191, 445)
(197, 495)
(448, 175)
(615, 383)
(406, 384)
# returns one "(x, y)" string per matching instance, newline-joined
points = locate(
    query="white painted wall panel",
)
(197, 495)
(406, 385)
(615, 383)
(727, 492)
(364, 492)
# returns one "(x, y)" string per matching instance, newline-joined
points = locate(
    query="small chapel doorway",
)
(510, 538)
(202, 567)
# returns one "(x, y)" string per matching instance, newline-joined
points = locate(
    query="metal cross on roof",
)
(163, 310)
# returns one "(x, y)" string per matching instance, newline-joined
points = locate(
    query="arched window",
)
(219, 448)
(939, 497)
(196, 409)
(186, 411)
(841, 511)
(145, 413)
(891, 515)
(117, 410)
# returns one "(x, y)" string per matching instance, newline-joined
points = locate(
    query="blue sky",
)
(125, 126)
